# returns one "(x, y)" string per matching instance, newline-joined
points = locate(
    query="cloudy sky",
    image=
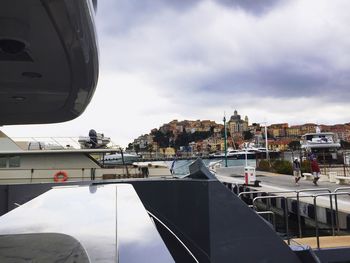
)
(273, 60)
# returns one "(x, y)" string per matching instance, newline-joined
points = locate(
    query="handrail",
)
(336, 205)
(298, 205)
(260, 192)
(237, 187)
(341, 188)
(171, 232)
(298, 196)
(270, 213)
(315, 205)
(285, 210)
(232, 189)
(298, 201)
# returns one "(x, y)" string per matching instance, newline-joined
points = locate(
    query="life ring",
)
(60, 176)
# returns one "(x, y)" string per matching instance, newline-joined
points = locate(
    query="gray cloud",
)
(231, 52)
(273, 60)
(122, 15)
(255, 7)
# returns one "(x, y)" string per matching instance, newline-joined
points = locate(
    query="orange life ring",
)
(60, 176)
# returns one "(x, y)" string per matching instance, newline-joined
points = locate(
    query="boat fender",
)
(60, 176)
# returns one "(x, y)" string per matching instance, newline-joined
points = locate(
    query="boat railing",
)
(315, 205)
(269, 213)
(285, 210)
(31, 175)
(298, 195)
(298, 192)
(343, 189)
(67, 142)
(232, 187)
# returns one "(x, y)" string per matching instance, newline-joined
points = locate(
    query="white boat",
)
(19, 165)
(323, 145)
(235, 154)
(241, 154)
(319, 140)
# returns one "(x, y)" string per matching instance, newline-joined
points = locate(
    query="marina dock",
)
(321, 219)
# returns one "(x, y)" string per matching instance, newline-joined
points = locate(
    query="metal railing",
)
(269, 213)
(232, 188)
(336, 205)
(298, 196)
(298, 204)
(316, 219)
(285, 213)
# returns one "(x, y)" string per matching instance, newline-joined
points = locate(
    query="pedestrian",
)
(296, 171)
(315, 170)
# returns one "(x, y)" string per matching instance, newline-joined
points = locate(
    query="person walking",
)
(296, 171)
(315, 170)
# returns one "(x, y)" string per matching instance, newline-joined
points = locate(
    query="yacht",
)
(241, 154)
(235, 155)
(319, 140)
(322, 145)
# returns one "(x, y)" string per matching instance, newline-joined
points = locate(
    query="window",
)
(14, 161)
(3, 161)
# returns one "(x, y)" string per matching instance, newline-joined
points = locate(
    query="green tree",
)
(344, 144)
(182, 140)
(130, 146)
(248, 135)
(150, 149)
(161, 139)
(294, 145)
(137, 148)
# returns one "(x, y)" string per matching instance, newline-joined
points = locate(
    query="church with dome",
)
(236, 125)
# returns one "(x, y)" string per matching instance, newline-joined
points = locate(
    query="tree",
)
(344, 144)
(130, 146)
(161, 139)
(150, 149)
(137, 148)
(182, 140)
(294, 145)
(248, 135)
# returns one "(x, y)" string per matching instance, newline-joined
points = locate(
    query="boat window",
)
(3, 161)
(14, 161)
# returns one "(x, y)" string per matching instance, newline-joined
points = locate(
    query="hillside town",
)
(203, 137)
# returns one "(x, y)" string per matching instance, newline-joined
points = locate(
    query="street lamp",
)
(266, 142)
(225, 141)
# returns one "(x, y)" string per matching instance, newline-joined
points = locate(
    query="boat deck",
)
(325, 241)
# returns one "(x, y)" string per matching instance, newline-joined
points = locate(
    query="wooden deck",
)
(325, 241)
